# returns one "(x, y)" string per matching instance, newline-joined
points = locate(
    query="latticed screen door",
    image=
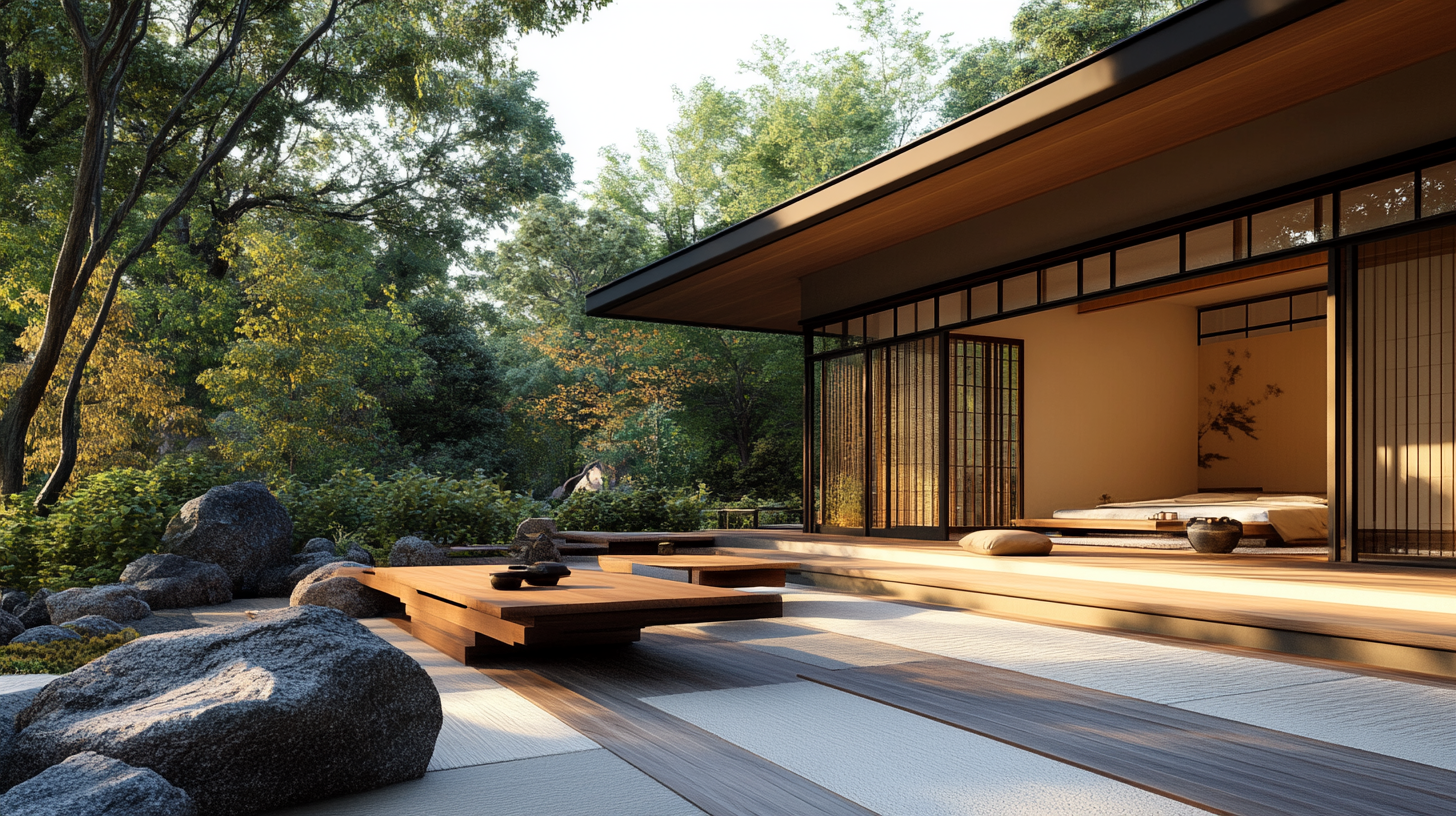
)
(985, 431)
(906, 435)
(1406, 396)
(840, 459)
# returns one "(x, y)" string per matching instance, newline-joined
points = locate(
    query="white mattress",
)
(1294, 517)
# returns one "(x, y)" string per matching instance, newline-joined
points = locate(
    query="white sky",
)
(611, 76)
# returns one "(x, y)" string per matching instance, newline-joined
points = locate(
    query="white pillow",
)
(1007, 542)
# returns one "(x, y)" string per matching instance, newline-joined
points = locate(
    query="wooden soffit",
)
(1334, 48)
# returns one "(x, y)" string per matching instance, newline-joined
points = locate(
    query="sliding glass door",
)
(917, 439)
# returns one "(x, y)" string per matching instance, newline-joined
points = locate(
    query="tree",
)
(299, 387)
(1046, 36)
(556, 255)
(161, 95)
(905, 63)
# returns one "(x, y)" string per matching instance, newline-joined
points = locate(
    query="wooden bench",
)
(708, 570)
(455, 609)
(1252, 529)
(634, 543)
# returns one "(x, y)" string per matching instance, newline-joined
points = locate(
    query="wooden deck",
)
(1392, 617)
(708, 570)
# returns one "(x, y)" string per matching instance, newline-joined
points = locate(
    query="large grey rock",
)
(541, 548)
(120, 602)
(280, 581)
(295, 705)
(35, 612)
(169, 581)
(416, 552)
(10, 705)
(318, 545)
(40, 635)
(325, 587)
(10, 626)
(89, 784)
(359, 555)
(240, 527)
(13, 599)
(94, 626)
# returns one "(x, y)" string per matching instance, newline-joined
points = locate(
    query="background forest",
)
(388, 268)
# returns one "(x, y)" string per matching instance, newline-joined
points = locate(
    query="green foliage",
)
(355, 506)
(1046, 36)
(61, 656)
(111, 519)
(642, 509)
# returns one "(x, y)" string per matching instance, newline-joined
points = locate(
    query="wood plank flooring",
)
(1216, 764)
(598, 694)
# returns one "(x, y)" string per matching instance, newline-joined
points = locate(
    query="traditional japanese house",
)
(1217, 258)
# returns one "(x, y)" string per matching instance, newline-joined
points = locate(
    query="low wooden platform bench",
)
(635, 543)
(708, 570)
(1252, 529)
(455, 609)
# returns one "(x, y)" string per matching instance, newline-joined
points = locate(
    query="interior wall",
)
(1289, 453)
(1111, 404)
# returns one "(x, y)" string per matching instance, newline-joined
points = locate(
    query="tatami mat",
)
(496, 725)
(1156, 672)
(899, 764)
(10, 683)
(1406, 720)
(588, 783)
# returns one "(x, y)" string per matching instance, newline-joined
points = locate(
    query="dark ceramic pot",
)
(1210, 535)
(545, 573)
(506, 580)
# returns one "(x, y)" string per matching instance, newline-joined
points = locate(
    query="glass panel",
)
(925, 315)
(1309, 304)
(1378, 204)
(983, 301)
(880, 326)
(1438, 189)
(1019, 292)
(855, 331)
(905, 319)
(1282, 328)
(1059, 282)
(1154, 259)
(1265, 312)
(1096, 273)
(1309, 324)
(1292, 226)
(1218, 244)
(953, 308)
(1215, 321)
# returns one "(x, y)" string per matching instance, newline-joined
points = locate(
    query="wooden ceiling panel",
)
(1338, 48)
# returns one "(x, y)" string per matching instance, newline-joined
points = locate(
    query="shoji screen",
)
(906, 435)
(1405, 411)
(985, 432)
(841, 448)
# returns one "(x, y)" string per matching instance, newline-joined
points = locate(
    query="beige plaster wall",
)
(1289, 454)
(1111, 403)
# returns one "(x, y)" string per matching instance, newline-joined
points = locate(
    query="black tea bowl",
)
(506, 580)
(536, 579)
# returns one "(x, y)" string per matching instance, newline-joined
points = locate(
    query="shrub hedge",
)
(61, 656)
(639, 510)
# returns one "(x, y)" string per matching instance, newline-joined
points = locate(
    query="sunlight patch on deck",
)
(900, 764)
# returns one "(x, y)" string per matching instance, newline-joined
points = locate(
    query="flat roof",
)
(1214, 69)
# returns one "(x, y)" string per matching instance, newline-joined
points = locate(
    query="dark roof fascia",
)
(1173, 44)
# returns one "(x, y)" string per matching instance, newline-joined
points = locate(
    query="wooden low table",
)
(455, 610)
(1251, 528)
(709, 570)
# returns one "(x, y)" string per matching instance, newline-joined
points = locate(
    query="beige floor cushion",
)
(1007, 542)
